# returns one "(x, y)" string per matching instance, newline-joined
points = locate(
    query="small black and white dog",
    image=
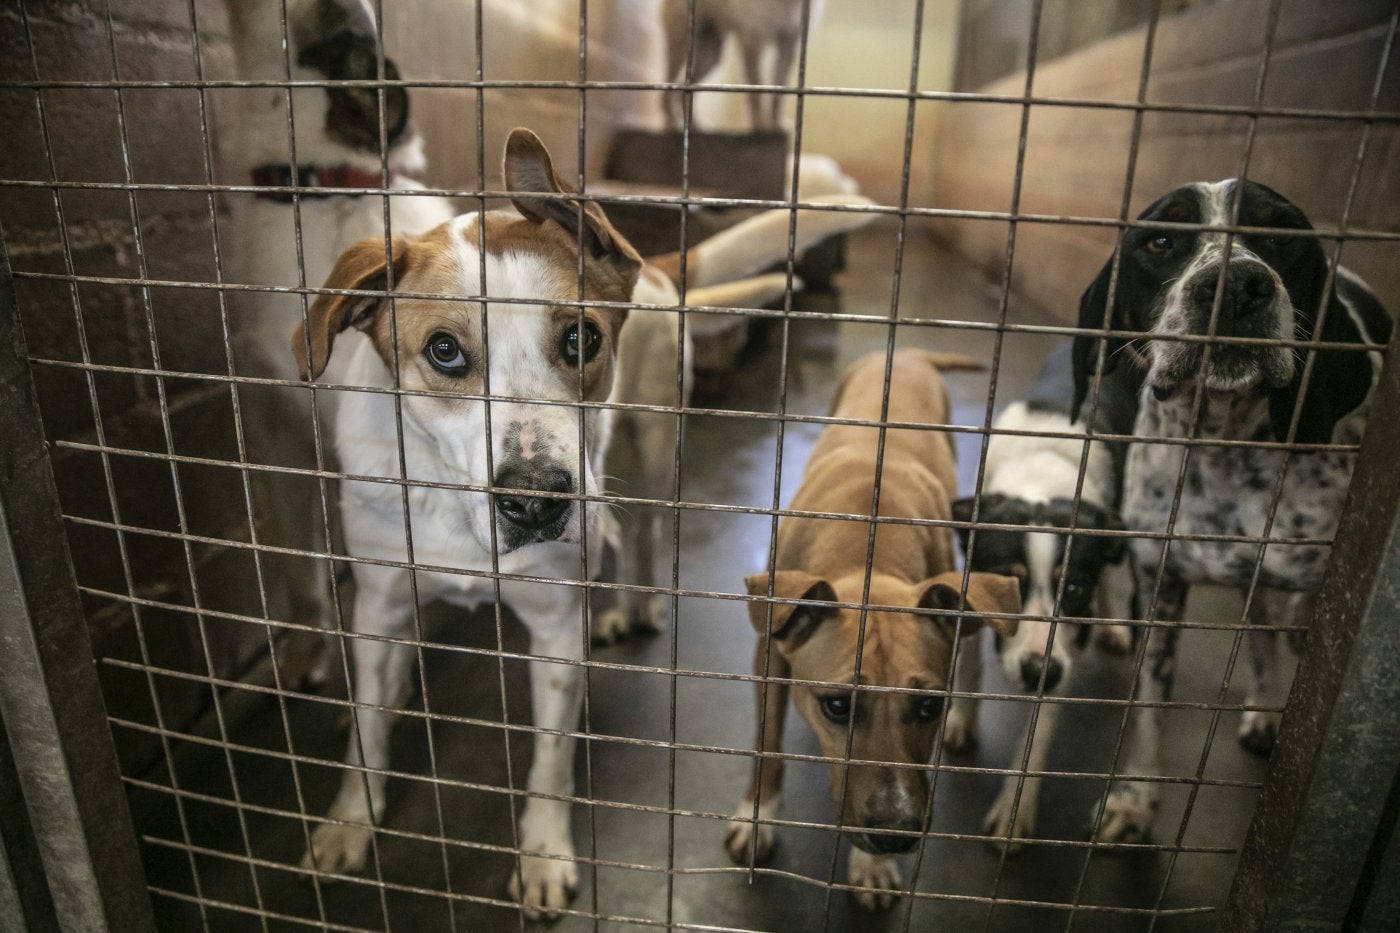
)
(1032, 481)
(1271, 284)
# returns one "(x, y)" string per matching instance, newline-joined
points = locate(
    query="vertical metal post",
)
(54, 721)
(1320, 851)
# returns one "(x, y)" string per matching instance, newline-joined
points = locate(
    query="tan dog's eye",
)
(586, 340)
(837, 707)
(929, 709)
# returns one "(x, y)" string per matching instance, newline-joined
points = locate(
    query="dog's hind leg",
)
(381, 671)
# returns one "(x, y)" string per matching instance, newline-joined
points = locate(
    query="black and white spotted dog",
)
(1272, 284)
(1032, 480)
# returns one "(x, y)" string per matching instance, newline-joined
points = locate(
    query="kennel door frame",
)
(1323, 836)
(68, 853)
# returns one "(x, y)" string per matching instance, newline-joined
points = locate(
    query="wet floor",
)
(664, 759)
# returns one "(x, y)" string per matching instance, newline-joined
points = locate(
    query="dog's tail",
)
(755, 244)
(755, 292)
(945, 362)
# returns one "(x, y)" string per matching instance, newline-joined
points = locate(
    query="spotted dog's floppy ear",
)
(362, 267)
(1093, 314)
(339, 40)
(986, 592)
(529, 171)
(792, 624)
(1341, 379)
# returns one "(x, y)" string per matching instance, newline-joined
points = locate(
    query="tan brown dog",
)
(828, 559)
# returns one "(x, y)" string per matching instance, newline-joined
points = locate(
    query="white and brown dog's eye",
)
(445, 354)
(1159, 245)
(585, 340)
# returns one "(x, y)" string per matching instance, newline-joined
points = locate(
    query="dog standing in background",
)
(755, 25)
(1272, 284)
(910, 568)
(1033, 480)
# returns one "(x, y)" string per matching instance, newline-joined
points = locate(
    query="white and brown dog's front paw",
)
(544, 884)
(878, 878)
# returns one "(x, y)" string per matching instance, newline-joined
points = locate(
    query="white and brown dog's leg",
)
(1131, 805)
(744, 835)
(960, 726)
(547, 875)
(381, 671)
(1012, 814)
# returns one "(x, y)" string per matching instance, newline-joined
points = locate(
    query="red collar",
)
(314, 177)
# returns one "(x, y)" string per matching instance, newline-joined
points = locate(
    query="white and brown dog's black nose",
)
(532, 502)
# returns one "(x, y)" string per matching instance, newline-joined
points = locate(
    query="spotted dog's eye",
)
(1159, 245)
(586, 341)
(1074, 592)
(929, 709)
(836, 707)
(445, 355)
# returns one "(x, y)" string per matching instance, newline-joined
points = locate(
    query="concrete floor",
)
(729, 461)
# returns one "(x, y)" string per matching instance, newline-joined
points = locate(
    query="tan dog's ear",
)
(792, 624)
(986, 592)
(363, 267)
(529, 170)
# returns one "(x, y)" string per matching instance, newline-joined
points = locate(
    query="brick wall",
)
(1325, 57)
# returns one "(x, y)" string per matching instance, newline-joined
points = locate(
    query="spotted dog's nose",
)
(1249, 291)
(1033, 664)
(537, 517)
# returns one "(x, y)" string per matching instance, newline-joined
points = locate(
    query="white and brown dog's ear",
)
(986, 592)
(792, 624)
(364, 267)
(530, 171)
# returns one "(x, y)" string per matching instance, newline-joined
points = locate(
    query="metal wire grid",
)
(283, 695)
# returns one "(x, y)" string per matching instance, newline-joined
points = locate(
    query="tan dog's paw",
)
(544, 886)
(1116, 640)
(878, 875)
(999, 824)
(338, 849)
(959, 730)
(743, 833)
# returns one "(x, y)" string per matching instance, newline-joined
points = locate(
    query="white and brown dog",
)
(871, 682)
(1177, 281)
(756, 25)
(500, 439)
(1032, 481)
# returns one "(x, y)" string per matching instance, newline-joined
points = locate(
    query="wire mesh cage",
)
(442, 496)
